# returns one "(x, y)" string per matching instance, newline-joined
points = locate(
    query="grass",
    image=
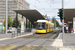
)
(9, 47)
(27, 48)
(42, 48)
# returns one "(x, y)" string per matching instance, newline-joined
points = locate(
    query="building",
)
(12, 5)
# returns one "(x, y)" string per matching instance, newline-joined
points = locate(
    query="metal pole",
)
(6, 15)
(16, 20)
(55, 22)
(63, 20)
(26, 23)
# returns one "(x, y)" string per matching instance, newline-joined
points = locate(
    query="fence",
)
(17, 32)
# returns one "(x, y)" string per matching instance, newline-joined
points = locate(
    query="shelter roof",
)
(32, 15)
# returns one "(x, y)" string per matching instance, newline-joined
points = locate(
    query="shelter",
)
(32, 15)
(69, 14)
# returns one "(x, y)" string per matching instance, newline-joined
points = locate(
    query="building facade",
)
(12, 5)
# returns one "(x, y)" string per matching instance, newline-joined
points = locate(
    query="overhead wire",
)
(36, 7)
(40, 9)
(54, 7)
(42, 6)
(51, 6)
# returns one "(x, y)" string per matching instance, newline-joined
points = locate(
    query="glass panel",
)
(41, 26)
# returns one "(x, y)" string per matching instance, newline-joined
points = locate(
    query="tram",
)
(44, 26)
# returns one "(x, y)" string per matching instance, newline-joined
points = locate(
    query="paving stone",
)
(65, 49)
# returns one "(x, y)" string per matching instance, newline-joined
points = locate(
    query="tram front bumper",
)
(40, 31)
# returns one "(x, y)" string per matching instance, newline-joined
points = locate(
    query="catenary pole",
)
(63, 20)
(6, 15)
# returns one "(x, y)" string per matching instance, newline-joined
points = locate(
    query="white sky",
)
(50, 7)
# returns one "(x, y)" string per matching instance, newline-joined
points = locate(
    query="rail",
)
(40, 46)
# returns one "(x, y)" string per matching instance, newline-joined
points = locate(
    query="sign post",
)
(63, 21)
(74, 24)
(6, 16)
(22, 26)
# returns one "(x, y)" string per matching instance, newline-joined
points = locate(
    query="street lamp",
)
(6, 16)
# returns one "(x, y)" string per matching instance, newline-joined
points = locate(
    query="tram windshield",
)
(41, 26)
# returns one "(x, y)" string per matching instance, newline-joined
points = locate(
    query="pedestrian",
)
(61, 29)
(72, 31)
(67, 29)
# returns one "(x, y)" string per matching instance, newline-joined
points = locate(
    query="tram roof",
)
(45, 21)
(69, 14)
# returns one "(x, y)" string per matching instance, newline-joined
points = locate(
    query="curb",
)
(23, 35)
(15, 37)
(58, 42)
(58, 36)
(4, 39)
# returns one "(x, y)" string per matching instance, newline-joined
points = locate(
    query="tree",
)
(14, 22)
(9, 22)
(55, 22)
(27, 23)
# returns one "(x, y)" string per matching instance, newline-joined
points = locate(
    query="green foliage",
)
(27, 23)
(14, 22)
(9, 22)
(55, 22)
(42, 48)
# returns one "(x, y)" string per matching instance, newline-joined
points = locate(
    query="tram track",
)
(52, 37)
(32, 36)
(40, 36)
(40, 46)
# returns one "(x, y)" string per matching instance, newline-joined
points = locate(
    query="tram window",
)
(46, 26)
(50, 26)
(43, 26)
(38, 25)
